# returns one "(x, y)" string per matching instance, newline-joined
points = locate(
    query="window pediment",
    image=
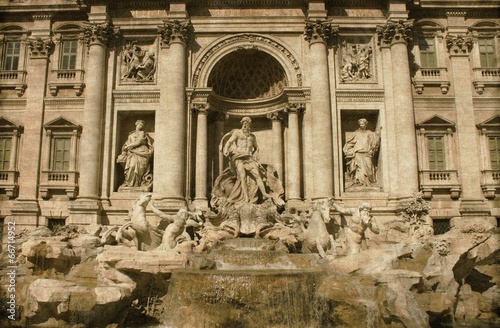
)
(490, 124)
(62, 125)
(436, 122)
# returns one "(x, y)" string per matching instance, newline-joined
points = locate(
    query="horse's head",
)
(323, 207)
(143, 200)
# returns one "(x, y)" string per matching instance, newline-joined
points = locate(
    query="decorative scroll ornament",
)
(103, 33)
(458, 45)
(395, 32)
(319, 31)
(175, 32)
(40, 47)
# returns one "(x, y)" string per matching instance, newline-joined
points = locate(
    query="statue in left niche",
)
(138, 65)
(136, 156)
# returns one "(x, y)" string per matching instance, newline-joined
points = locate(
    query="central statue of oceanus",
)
(245, 180)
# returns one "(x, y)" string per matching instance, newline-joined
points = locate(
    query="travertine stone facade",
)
(76, 76)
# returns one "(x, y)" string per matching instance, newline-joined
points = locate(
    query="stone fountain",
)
(251, 260)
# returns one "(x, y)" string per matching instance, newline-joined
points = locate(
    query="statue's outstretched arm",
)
(167, 217)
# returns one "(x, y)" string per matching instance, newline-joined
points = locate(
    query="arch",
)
(222, 47)
(12, 29)
(68, 28)
(485, 25)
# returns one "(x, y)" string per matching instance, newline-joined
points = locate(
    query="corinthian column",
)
(277, 143)
(293, 159)
(171, 118)
(200, 198)
(87, 208)
(317, 33)
(397, 35)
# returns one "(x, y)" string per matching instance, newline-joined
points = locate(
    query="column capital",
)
(459, 45)
(175, 31)
(395, 32)
(275, 116)
(319, 31)
(100, 33)
(40, 47)
(294, 108)
(200, 108)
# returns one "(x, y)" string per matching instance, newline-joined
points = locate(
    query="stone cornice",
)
(359, 96)
(13, 102)
(64, 102)
(136, 96)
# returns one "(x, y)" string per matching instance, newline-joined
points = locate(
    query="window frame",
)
(9, 180)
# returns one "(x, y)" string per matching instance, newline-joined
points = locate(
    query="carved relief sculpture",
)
(359, 151)
(136, 156)
(137, 64)
(356, 62)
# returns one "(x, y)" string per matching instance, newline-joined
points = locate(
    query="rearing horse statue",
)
(316, 236)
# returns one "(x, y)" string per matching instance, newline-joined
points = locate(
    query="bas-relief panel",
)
(137, 62)
(357, 60)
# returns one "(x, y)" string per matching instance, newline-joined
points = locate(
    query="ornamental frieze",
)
(175, 32)
(392, 32)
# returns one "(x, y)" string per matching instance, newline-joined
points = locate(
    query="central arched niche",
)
(248, 74)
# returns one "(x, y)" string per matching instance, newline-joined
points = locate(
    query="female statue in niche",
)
(135, 158)
(359, 151)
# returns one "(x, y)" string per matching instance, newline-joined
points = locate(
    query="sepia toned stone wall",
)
(86, 72)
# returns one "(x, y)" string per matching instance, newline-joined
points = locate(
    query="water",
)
(249, 288)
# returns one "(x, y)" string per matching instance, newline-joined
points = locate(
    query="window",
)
(5, 153)
(62, 150)
(494, 143)
(487, 53)
(428, 57)
(68, 54)
(12, 53)
(435, 147)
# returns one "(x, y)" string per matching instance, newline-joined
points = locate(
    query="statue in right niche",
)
(359, 151)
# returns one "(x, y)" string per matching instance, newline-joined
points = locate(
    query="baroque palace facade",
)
(78, 75)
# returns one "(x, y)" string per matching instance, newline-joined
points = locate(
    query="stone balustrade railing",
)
(13, 79)
(431, 180)
(490, 182)
(67, 78)
(437, 76)
(66, 181)
(486, 76)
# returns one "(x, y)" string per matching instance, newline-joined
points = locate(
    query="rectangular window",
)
(68, 54)
(428, 57)
(487, 52)
(5, 154)
(495, 152)
(12, 52)
(435, 146)
(61, 154)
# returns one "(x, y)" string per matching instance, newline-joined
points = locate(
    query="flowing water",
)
(250, 287)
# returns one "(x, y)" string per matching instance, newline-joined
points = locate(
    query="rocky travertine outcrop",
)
(448, 279)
